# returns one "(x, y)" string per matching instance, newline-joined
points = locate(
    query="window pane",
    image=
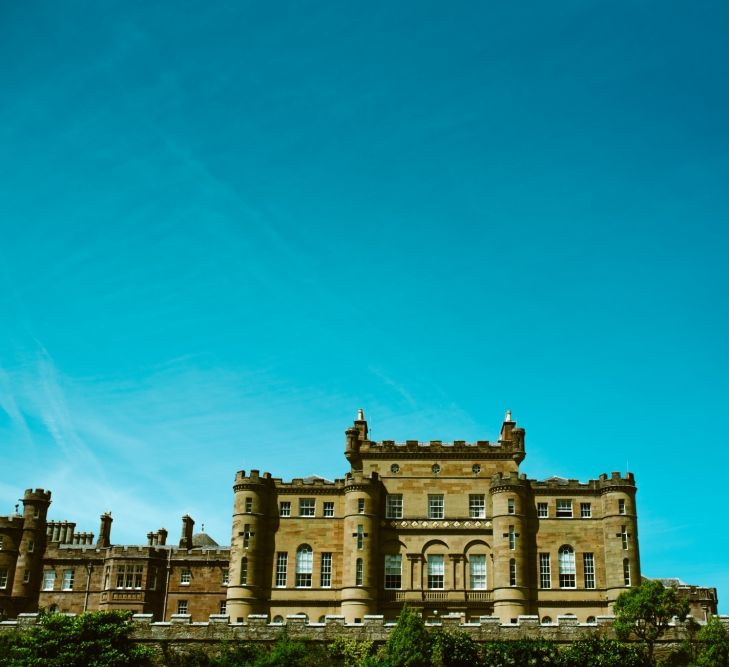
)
(478, 571)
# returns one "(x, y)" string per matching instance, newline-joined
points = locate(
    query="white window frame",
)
(393, 571)
(626, 571)
(545, 570)
(328, 508)
(307, 507)
(244, 571)
(49, 580)
(511, 506)
(284, 508)
(512, 572)
(567, 567)
(477, 506)
(564, 508)
(182, 607)
(360, 505)
(477, 571)
(304, 566)
(436, 572)
(359, 572)
(249, 505)
(223, 607)
(624, 537)
(393, 506)
(543, 510)
(436, 506)
(325, 570)
(3, 578)
(588, 565)
(68, 579)
(282, 563)
(512, 538)
(185, 576)
(226, 576)
(621, 506)
(586, 510)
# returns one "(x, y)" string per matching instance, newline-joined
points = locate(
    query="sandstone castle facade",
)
(445, 528)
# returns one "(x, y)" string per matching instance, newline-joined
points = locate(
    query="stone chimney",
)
(186, 538)
(104, 539)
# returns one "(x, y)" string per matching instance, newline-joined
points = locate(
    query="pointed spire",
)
(360, 415)
(507, 418)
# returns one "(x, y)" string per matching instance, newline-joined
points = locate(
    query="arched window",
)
(244, 571)
(304, 564)
(322, 619)
(567, 571)
(358, 572)
(546, 620)
(590, 619)
(278, 619)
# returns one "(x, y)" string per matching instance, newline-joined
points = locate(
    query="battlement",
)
(12, 522)
(37, 494)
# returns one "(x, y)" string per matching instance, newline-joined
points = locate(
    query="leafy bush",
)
(453, 648)
(596, 652)
(350, 652)
(535, 653)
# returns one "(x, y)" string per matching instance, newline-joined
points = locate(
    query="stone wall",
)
(181, 634)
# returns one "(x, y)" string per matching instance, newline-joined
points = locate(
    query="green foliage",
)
(596, 652)
(453, 648)
(713, 639)
(350, 652)
(646, 611)
(535, 653)
(94, 639)
(287, 652)
(409, 643)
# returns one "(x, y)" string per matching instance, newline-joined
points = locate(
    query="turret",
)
(104, 539)
(29, 566)
(512, 438)
(356, 435)
(247, 587)
(620, 533)
(509, 496)
(360, 549)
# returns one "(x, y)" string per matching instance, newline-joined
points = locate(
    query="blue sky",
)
(225, 228)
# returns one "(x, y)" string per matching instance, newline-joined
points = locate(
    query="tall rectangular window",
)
(512, 572)
(588, 561)
(585, 510)
(31, 546)
(67, 584)
(545, 571)
(621, 506)
(512, 538)
(3, 577)
(26, 576)
(223, 607)
(477, 565)
(393, 506)
(511, 506)
(307, 506)
(244, 571)
(358, 574)
(326, 570)
(138, 571)
(185, 577)
(182, 606)
(120, 574)
(436, 571)
(477, 506)
(284, 508)
(626, 571)
(328, 508)
(226, 576)
(624, 537)
(360, 506)
(435, 505)
(564, 509)
(49, 580)
(282, 561)
(249, 505)
(542, 510)
(304, 566)
(360, 536)
(1, 542)
(567, 569)
(246, 535)
(393, 571)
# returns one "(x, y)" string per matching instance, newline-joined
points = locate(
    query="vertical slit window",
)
(359, 569)
(282, 561)
(588, 561)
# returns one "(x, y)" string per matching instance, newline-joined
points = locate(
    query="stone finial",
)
(507, 418)
(360, 415)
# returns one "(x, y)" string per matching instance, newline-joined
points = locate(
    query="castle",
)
(445, 528)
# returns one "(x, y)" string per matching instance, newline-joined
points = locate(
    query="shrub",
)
(409, 643)
(453, 648)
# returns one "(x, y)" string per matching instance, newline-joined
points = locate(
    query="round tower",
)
(246, 587)
(359, 553)
(29, 566)
(509, 493)
(620, 533)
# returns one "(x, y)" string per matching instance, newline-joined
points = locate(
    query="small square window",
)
(328, 508)
(284, 508)
(542, 510)
(307, 506)
(564, 509)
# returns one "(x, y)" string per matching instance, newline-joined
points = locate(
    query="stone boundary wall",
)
(180, 633)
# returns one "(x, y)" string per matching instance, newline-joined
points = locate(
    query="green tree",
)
(453, 648)
(599, 652)
(532, 652)
(646, 610)
(714, 641)
(409, 643)
(350, 652)
(93, 639)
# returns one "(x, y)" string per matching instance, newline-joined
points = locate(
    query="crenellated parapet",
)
(509, 482)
